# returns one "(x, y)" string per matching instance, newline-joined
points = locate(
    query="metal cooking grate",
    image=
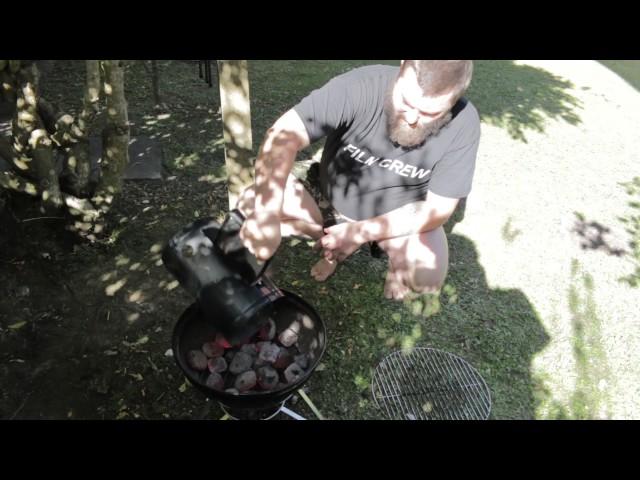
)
(429, 384)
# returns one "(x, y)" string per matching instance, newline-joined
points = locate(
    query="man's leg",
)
(417, 263)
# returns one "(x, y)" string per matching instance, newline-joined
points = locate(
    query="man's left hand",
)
(340, 241)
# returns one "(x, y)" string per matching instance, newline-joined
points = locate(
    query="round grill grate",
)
(429, 384)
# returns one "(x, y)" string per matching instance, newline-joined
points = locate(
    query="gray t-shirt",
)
(362, 173)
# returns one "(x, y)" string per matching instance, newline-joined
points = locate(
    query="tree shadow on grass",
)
(594, 236)
(497, 330)
(521, 97)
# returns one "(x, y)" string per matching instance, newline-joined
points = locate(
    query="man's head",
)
(420, 101)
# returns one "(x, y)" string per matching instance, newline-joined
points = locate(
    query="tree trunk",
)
(78, 164)
(115, 136)
(49, 115)
(91, 108)
(78, 168)
(37, 129)
(236, 123)
(91, 93)
(31, 142)
(44, 167)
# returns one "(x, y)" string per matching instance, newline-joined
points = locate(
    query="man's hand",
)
(340, 241)
(260, 234)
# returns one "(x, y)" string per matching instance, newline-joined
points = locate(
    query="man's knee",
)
(422, 259)
(423, 279)
(431, 261)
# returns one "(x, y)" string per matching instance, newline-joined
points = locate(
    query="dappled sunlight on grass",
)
(108, 276)
(430, 304)
(411, 340)
(426, 305)
(121, 260)
(214, 146)
(136, 297)
(111, 290)
(186, 160)
(116, 279)
(176, 122)
(156, 248)
(132, 286)
(212, 179)
(362, 382)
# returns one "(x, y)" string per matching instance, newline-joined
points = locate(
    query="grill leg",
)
(291, 414)
(310, 403)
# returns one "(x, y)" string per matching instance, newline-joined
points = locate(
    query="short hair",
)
(438, 77)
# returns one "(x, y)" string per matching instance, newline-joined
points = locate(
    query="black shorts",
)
(330, 216)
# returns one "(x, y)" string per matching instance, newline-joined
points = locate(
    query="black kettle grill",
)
(234, 297)
(193, 326)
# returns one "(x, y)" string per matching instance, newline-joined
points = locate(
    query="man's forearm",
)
(272, 167)
(416, 217)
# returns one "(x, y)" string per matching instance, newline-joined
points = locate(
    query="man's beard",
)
(401, 133)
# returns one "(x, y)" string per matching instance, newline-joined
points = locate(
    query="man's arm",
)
(282, 142)
(342, 240)
(261, 231)
(416, 217)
